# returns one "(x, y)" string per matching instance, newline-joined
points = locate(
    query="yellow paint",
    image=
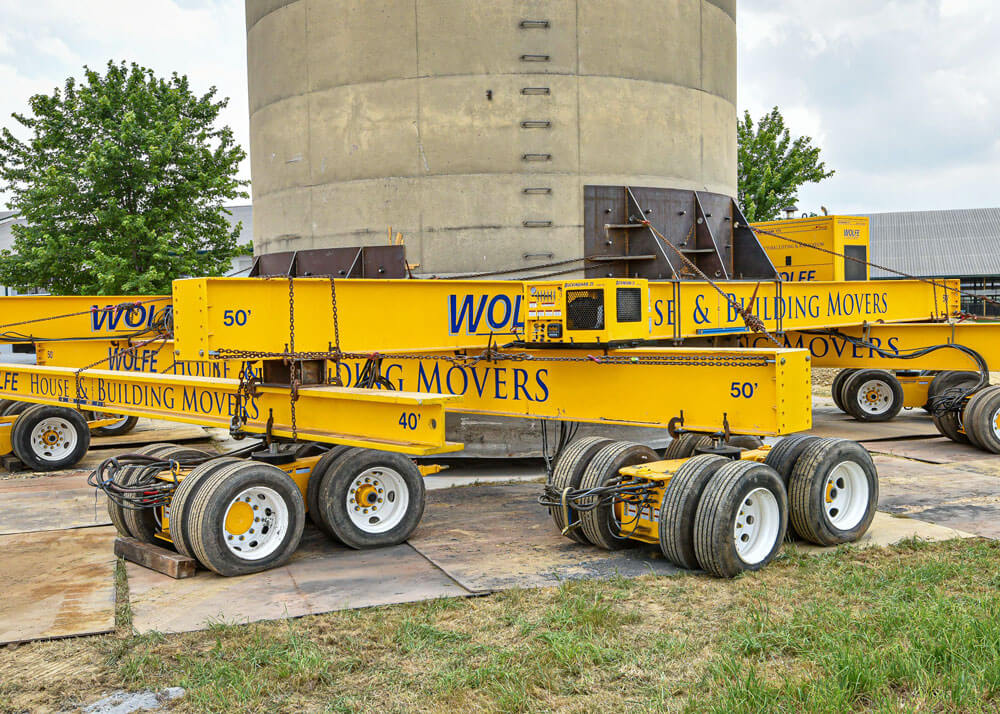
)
(215, 314)
(551, 315)
(915, 390)
(795, 306)
(430, 469)
(797, 263)
(98, 423)
(537, 384)
(366, 496)
(356, 417)
(6, 424)
(78, 316)
(239, 518)
(645, 526)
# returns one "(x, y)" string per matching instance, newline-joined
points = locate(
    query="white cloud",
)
(903, 96)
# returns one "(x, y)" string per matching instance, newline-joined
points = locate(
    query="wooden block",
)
(149, 436)
(11, 463)
(156, 558)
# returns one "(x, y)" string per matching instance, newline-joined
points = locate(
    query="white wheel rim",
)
(756, 528)
(377, 500)
(875, 397)
(257, 533)
(846, 495)
(53, 439)
(995, 423)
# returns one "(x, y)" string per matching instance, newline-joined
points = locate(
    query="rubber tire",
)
(312, 448)
(807, 491)
(683, 446)
(717, 511)
(745, 441)
(568, 471)
(949, 379)
(189, 486)
(20, 436)
(319, 471)
(603, 467)
(983, 411)
(333, 491)
(680, 506)
(211, 502)
(948, 425)
(151, 449)
(115, 512)
(970, 418)
(141, 523)
(785, 453)
(11, 407)
(837, 388)
(174, 452)
(852, 385)
(124, 428)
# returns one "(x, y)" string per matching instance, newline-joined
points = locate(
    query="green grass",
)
(925, 632)
(913, 628)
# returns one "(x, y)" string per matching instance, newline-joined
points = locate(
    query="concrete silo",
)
(473, 126)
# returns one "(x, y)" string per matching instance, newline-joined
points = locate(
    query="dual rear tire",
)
(238, 517)
(729, 516)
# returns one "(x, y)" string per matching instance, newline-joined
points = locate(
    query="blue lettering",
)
(428, 383)
(498, 324)
(544, 396)
(465, 380)
(520, 382)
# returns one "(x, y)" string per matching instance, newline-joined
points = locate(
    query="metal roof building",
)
(945, 244)
(961, 244)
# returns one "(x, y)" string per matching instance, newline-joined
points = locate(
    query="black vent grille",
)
(584, 310)
(629, 305)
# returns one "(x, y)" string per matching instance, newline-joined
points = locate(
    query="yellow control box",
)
(587, 311)
(843, 235)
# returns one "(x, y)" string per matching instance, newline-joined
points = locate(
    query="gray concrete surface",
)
(409, 113)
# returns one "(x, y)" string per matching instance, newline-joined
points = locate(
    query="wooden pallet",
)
(155, 558)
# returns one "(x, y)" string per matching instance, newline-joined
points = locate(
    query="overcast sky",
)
(902, 95)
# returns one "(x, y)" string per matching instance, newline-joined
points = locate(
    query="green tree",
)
(122, 183)
(772, 166)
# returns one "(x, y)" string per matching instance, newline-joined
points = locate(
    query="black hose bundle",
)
(952, 399)
(637, 493)
(565, 434)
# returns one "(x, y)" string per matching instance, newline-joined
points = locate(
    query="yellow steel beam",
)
(405, 422)
(758, 391)
(832, 351)
(44, 317)
(399, 315)
(796, 306)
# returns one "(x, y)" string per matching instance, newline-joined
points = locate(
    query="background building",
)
(962, 244)
(472, 127)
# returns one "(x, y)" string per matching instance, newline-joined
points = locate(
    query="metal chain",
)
(78, 373)
(495, 355)
(293, 358)
(336, 332)
(752, 321)
(245, 391)
(119, 307)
